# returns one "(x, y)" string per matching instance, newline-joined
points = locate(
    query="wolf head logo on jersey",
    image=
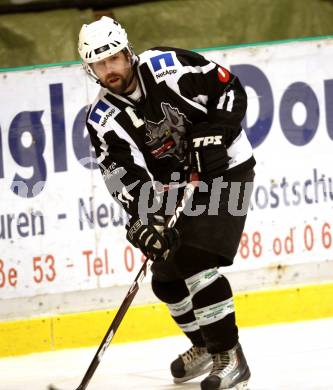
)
(166, 138)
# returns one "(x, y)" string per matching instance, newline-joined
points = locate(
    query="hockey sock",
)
(175, 294)
(214, 309)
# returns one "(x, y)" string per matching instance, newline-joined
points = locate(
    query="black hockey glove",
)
(208, 153)
(155, 241)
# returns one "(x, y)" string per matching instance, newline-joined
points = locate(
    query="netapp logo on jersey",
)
(165, 72)
(107, 116)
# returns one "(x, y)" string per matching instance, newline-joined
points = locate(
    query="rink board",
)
(61, 233)
(153, 321)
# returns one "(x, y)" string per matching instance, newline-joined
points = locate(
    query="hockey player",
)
(158, 116)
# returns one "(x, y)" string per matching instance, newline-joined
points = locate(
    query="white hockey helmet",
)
(101, 39)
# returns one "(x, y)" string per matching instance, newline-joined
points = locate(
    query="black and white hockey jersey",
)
(145, 140)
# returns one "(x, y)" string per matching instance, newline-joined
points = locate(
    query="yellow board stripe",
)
(153, 321)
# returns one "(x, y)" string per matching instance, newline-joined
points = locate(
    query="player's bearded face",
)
(115, 72)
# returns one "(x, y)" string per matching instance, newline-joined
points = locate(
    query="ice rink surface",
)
(296, 356)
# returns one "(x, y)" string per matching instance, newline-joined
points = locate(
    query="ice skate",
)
(192, 363)
(230, 371)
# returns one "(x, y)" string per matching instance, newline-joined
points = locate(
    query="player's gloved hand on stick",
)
(154, 239)
(208, 153)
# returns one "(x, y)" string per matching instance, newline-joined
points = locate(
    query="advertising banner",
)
(61, 231)
(290, 125)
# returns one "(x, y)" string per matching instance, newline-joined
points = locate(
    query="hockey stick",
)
(188, 192)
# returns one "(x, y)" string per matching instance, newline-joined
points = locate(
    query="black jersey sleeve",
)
(227, 102)
(219, 91)
(122, 166)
